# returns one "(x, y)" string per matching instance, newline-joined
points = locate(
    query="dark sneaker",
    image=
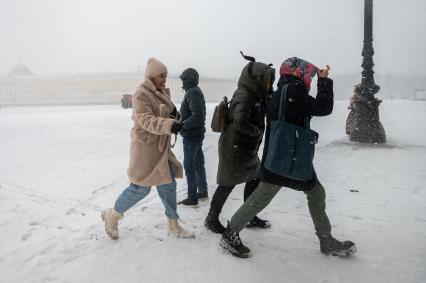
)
(203, 195)
(231, 241)
(213, 224)
(188, 202)
(332, 246)
(256, 222)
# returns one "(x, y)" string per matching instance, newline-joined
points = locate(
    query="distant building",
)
(21, 88)
(67, 89)
(20, 71)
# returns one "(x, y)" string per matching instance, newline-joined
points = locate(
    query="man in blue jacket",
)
(193, 117)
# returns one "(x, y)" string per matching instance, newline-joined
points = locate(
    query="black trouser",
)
(222, 193)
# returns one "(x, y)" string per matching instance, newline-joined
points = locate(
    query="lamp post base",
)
(363, 124)
(374, 133)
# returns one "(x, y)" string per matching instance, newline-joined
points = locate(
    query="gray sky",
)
(53, 37)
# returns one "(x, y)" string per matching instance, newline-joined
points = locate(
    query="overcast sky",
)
(54, 37)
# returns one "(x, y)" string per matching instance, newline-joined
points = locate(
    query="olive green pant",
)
(263, 195)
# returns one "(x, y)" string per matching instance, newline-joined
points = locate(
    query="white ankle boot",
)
(173, 228)
(111, 217)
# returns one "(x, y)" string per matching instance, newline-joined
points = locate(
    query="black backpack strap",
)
(281, 111)
(307, 122)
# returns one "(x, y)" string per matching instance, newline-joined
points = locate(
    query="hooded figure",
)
(240, 142)
(193, 106)
(300, 107)
(193, 118)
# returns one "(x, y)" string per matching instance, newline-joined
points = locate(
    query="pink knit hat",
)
(154, 68)
(300, 68)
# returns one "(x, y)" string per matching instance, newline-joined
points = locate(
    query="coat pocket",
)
(148, 138)
(244, 156)
(142, 136)
(246, 145)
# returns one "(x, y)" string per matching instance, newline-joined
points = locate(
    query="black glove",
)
(176, 127)
(174, 113)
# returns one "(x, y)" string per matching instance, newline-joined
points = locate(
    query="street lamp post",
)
(363, 123)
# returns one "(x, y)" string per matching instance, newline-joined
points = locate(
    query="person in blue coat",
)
(193, 118)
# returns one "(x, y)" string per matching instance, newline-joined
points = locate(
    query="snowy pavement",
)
(60, 166)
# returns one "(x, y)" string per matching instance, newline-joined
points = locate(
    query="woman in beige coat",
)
(152, 162)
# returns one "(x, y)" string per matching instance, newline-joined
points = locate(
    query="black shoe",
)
(189, 202)
(213, 224)
(203, 195)
(231, 241)
(330, 245)
(258, 223)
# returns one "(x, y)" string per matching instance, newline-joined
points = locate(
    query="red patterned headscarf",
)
(302, 69)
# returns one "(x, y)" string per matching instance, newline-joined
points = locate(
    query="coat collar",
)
(164, 95)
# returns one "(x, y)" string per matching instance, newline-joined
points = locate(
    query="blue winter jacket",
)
(193, 107)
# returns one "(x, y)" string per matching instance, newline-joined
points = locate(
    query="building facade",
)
(103, 88)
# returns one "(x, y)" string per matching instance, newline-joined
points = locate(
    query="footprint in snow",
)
(355, 217)
(26, 236)
(94, 237)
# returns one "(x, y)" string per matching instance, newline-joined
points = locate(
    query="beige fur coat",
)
(150, 148)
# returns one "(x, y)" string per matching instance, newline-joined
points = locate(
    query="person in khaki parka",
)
(152, 162)
(240, 142)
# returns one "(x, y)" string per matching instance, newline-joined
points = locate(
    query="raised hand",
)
(323, 73)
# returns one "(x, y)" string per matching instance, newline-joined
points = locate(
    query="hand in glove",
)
(176, 127)
(174, 113)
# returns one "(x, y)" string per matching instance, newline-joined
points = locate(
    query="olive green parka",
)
(239, 143)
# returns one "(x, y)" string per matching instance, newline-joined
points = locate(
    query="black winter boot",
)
(189, 202)
(218, 200)
(330, 245)
(258, 223)
(213, 224)
(203, 194)
(231, 241)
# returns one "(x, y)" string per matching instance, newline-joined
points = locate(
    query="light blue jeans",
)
(134, 193)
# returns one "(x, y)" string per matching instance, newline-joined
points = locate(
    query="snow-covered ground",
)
(60, 166)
